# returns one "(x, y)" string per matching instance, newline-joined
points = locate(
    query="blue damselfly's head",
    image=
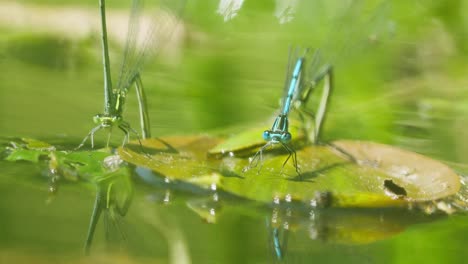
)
(279, 131)
(278, 136)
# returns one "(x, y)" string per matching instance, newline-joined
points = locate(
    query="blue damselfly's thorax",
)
(279, 131)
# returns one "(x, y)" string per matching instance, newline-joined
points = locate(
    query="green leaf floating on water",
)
(88, 165)
(28, 150)
(382, 176)
(247, 142)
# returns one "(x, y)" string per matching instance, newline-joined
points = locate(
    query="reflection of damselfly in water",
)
(305, 73)
(143, 40)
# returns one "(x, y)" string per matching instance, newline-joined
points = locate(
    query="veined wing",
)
(353, 29)
(353, 24)
(147, 33)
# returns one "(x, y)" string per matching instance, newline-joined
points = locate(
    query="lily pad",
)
(248, 141)
(175, 158)
(419, 177)
(328, 177)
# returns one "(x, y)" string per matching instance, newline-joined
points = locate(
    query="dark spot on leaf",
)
(390, 186)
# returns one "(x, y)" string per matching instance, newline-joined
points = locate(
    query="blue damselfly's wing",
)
(350, 30)
(285, 10)
(353, 29)
(152, 24)
(229, 9)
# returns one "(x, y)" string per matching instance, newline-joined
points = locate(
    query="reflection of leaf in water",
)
(107, 172)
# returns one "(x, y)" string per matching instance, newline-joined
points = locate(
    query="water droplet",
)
(113, 162)
(276, 200)
(213, 187)
(167, 197)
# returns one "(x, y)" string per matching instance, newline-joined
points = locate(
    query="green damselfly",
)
(140, 44)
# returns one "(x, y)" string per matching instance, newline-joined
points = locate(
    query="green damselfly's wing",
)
(152, 24)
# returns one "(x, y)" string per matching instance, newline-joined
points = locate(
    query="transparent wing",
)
(354, 27)
(150, 28)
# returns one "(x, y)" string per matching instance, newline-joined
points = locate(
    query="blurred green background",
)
(400, 71)
(401, 78)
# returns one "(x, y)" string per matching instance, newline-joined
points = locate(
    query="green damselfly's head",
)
(279, 131)
(107, 120)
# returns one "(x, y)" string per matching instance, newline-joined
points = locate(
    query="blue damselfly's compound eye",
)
(266, 135)
(286, 137)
